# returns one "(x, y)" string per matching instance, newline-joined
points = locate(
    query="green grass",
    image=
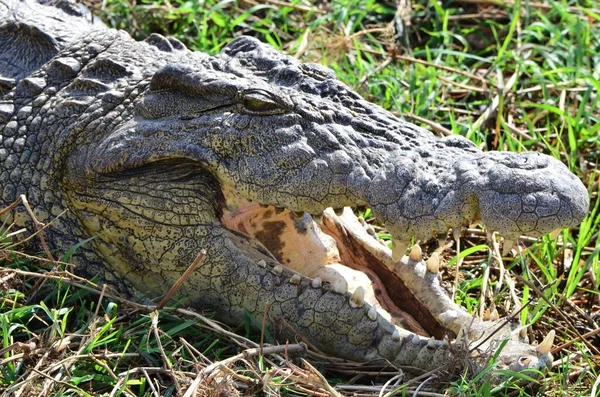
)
(540, 65)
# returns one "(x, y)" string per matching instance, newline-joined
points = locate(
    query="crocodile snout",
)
(524, 193)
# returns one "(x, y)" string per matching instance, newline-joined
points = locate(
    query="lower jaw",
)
(337, 249)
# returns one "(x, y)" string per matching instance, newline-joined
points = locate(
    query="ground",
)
(507, 75)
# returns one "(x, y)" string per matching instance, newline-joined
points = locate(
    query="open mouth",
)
(339, 249)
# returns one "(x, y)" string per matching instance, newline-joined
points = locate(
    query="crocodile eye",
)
(259, 103)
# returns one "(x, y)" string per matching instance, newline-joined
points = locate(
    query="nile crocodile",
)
(159, 152)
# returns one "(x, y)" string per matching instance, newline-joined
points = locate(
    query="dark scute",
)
(6, 85)
(178, 45)
(106, 70)
(24, 49)
(69, 7)
(164, 44)
(170, 76)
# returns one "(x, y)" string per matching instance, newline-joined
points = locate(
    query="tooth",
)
(278, 270)
(396, 336)
(523, 333)
(456, 234)
(357, 299)
(433, 263)
(370, 230)
(382, 242)
(361, 220)
(416, 340)
(486, 314)
(431, 343)
(398, 250)
(295, 279)
(416, 254)
(507, 247)
(339, 211)
(494, 316)
(317, 217)
(546, 345)
(316, 282)
(340, 285)
(262, 263)
(554, 234)
(372, 313)
(299, 214)
(448, 317)
(445, 342)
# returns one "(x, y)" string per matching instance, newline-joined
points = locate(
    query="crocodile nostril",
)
(524, 361)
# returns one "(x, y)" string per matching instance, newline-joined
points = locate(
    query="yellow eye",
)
(261, 102)
(259, 105)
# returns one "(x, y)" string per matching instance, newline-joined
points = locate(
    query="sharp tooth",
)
(445, 342)
(546, 345)
(339, 211)
(396, 336)
(448, 317)
(370, 230)
(554, 234)
(317, 218)
(298, 214)
(416, 254)
(316, 282)
(507, 247)
(357, 299)
(494, 316)
(382, 242)
(416, 339)
(433, 263)
(295, 279)
(361, 220)
(372, 313)
(523, 333)
(278, 270)
(456, 234)
(262, 263)
(340, 285)
(398, 250)
(486, 314)
(431, 343)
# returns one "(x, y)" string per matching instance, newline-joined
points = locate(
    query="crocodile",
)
(152, 153)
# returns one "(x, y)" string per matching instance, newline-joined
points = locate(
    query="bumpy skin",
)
(143, 143)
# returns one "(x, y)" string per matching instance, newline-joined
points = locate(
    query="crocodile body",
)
(158, 153)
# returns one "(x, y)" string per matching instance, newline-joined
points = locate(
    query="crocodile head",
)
(241, 154)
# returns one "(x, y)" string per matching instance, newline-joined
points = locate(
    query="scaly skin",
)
(158, 152)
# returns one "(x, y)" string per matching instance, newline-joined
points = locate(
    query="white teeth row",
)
(399, 246)
(339, 285)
